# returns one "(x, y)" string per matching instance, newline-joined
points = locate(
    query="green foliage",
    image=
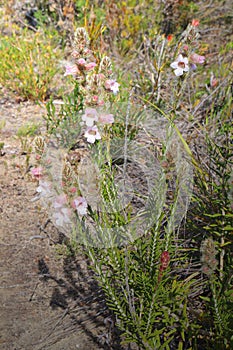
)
(24, 133)
(214, 212)
(127, 21)
(65, 122)
(85, 8)
(28, 129)
(55, 14)
(29, 62)
(149, 303)
(148, 297)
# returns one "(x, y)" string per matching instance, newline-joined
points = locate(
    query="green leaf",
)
(214, 215)
(227, 228)
(205, 298)
(180, 345)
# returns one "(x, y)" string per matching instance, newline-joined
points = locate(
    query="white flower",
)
(92, 134)
(80, 204)
(112, 85)
(180, 65)
(90, 116)
(44, 188)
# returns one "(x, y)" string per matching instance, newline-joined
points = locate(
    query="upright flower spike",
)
(180, 65)
(81, 38)
(105, 65)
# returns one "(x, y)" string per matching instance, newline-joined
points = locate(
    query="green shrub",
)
(29, 62)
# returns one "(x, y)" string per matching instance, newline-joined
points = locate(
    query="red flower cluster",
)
(164, 260)
(195, 23)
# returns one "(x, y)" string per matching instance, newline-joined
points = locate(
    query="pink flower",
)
(81, 62)
(71, 69)
(90, 116)
(92, 134)
(112, 85)
(80, 204)
(73, 189)
(37, 172)
(62, 213)
(180, 65)
(95, 98)
(101, 103)
(195, 23)
(90, 66)
(106, 118)
(195, 58)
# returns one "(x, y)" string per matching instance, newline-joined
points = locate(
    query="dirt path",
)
(47, 302)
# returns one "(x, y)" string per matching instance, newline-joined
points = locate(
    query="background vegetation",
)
(171, 288)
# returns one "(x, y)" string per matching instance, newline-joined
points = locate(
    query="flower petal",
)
(174, 65)
(178, 72)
